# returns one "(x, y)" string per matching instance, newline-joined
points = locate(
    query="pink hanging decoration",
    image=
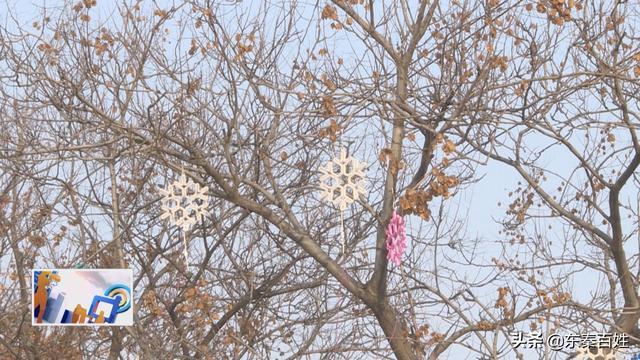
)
(396, 238)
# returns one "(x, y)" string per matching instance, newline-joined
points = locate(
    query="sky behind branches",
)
(475, 206)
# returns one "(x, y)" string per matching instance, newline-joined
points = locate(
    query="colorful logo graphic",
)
(82, 297)
(125, 294)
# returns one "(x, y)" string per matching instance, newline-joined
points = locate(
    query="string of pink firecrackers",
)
(396, 238)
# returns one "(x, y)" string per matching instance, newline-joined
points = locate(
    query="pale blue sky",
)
(480, 200)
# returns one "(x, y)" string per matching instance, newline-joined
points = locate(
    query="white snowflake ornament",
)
(601, 354)
(342, 183)
(184, 203)
(342, 180)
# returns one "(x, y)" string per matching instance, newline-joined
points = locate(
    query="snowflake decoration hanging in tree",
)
(342, 180)
(396, 238)
(601, 354)
(184, 202)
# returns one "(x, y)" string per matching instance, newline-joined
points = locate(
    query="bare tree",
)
(251, 100)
